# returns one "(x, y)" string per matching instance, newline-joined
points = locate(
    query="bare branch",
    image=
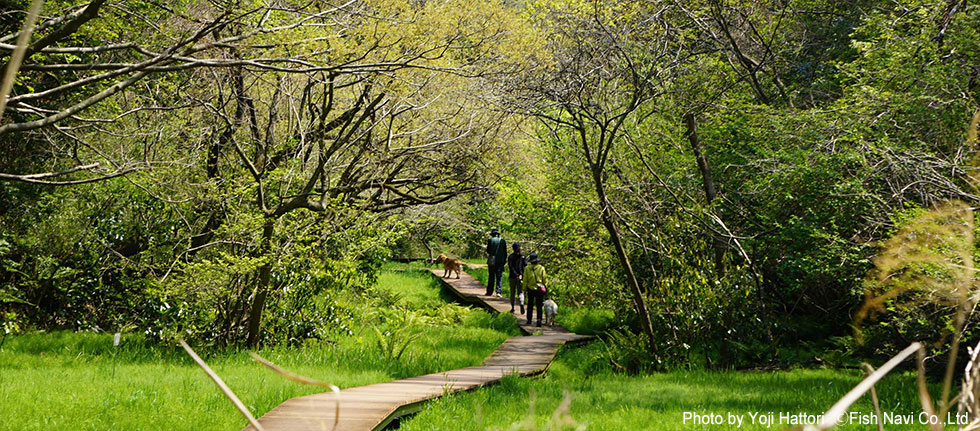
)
(35, 178)
(10, 69)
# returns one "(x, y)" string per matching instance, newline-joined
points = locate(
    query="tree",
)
(610, 59)
(370, 106)
(373, 138)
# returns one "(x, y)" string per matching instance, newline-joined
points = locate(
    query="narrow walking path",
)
(469, 289)
(372, 407)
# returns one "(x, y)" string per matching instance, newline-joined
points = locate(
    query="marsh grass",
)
(79, 381)
(410, 266)
(605, 401)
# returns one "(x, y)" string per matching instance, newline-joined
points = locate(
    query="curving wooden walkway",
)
(372, 407)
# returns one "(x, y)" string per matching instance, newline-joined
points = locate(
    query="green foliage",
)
(9, 324)
(84, 260)
(628, 352)
(207, 298)
(589, 321)
(842, 353)
(817, 152)
(923, 285)
(502, 322)
(868, 121)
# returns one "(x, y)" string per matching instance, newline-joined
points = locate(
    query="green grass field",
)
(601, 400)
(78, 381)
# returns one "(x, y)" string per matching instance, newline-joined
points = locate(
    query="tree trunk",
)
(424, 239)
(624, 260)
(708, 182)
(258, 303)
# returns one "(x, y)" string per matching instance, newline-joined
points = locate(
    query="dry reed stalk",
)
(971, 139)
(833, 415)
(561, 418)
(874, 397)
(969, 399)
(221, 385)
(304, 380)
(920, 378)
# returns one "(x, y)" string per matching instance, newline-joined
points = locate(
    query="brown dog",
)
(449, 265)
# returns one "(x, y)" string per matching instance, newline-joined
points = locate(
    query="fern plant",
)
(402, 333)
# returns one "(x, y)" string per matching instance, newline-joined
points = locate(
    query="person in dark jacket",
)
(515, 272)
(496, 259)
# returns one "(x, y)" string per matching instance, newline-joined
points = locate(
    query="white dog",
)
(550, 311)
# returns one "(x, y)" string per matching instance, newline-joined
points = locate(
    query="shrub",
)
(590, 321)
(628, 352)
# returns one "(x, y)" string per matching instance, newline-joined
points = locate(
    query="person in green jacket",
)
(536, 285)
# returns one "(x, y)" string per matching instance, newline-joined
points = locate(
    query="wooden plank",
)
(369, 407)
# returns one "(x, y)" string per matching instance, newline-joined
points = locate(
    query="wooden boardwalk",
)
(469, 289)
(372, 407)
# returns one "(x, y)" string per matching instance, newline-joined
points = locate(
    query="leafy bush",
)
(83, 258)
(445, 315)
(628, 352)
(397, 335)
(590, 321)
